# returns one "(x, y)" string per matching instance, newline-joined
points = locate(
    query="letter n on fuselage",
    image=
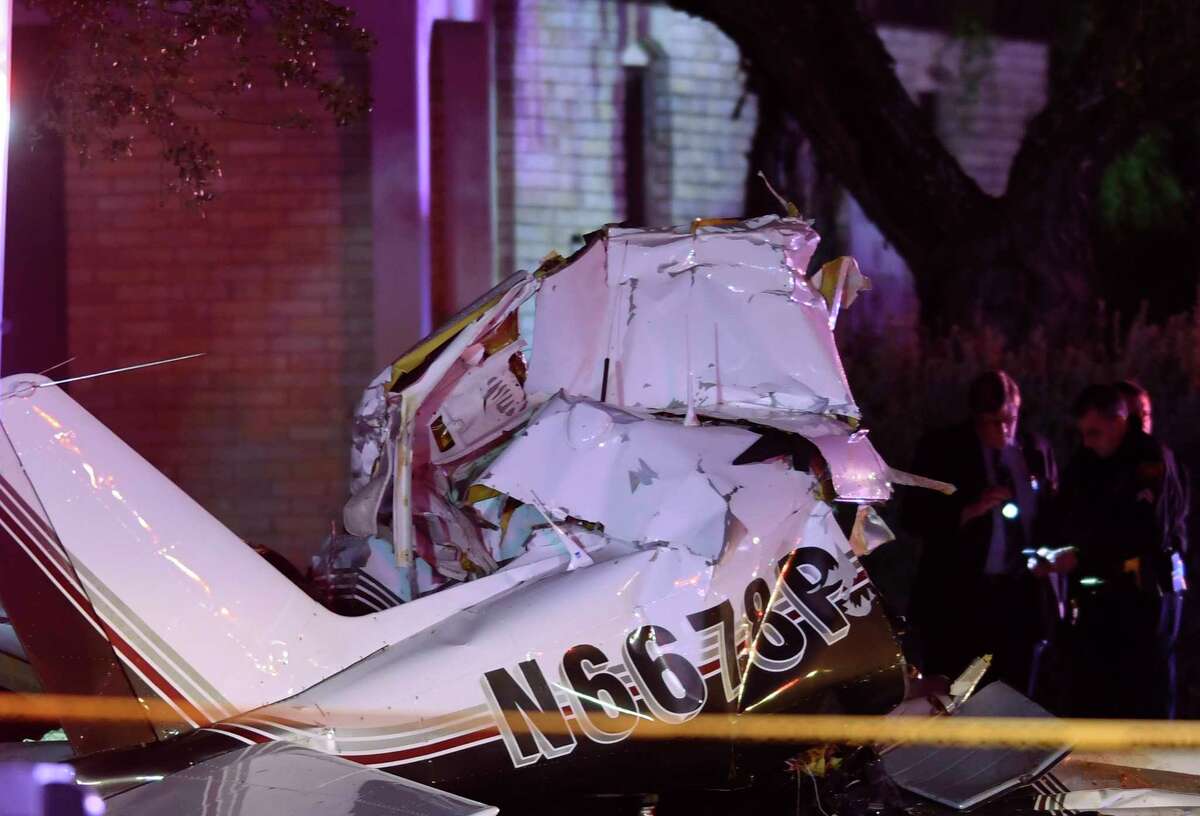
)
(530, 720)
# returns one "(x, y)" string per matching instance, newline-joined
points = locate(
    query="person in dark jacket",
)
(1175, 500)
(1124, 508)
(1112, 513)
(976, 593)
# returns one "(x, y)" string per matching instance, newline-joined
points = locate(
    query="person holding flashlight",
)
(977, 591)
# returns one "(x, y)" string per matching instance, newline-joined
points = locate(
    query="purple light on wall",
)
(428, 12)
(5, 108)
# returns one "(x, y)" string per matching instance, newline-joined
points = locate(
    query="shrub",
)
(906, 383)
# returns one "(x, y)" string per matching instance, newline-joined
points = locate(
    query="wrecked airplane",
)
(602, 495)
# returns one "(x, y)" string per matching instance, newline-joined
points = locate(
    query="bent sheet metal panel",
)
(280, 778)
(646, 480)
(720, 319)
(572, 313)
(858, 471)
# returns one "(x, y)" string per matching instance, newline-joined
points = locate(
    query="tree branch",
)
(121, 65)
(827, 65)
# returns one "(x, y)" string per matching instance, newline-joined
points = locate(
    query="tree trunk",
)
(1025, 258)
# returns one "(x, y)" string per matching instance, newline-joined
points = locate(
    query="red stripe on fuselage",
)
(66, 583)
(19, 501)
(463, 740)
(245, 733)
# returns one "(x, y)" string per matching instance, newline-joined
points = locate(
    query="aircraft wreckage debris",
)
(600, 510)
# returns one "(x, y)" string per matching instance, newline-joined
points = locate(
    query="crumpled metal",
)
(655, 352)
(718, 322)
(869, 532)
(644, 479)
(369, 432)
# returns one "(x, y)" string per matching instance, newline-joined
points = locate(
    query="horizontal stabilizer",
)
(283, 778)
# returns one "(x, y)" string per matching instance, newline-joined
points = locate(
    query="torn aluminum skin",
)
(645, 480)
(713, 325)
(718, 321)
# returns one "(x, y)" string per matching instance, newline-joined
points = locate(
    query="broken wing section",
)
(283, 778)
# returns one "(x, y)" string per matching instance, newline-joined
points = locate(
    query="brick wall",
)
(272, 280)
(560, 97)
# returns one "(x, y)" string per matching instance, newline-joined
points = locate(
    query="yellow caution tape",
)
(75, 708)
(1015, 732)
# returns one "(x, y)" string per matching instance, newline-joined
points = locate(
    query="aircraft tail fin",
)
(59, 630)
(154, 594)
